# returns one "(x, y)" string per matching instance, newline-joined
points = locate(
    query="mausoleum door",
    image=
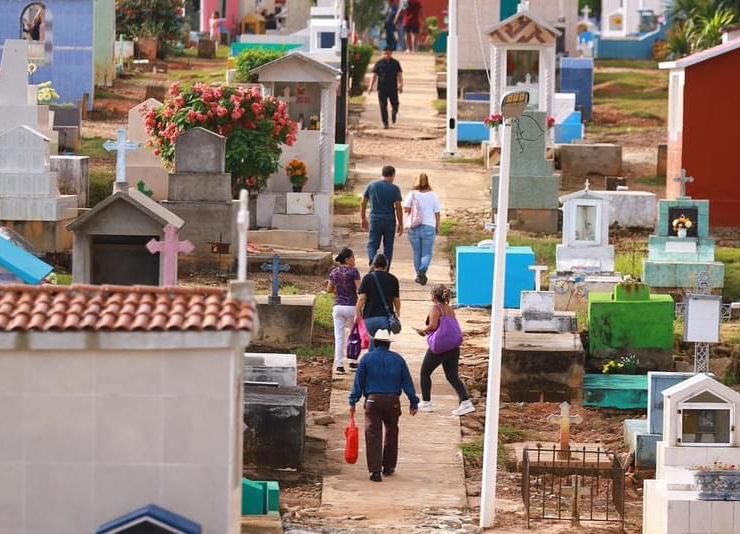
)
(123, 260)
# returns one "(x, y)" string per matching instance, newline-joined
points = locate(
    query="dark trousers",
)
(384, 95)
(381, 228)
(382, 411)
(390, 35)
(449, 361)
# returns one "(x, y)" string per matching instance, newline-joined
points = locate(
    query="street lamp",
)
(512, 106)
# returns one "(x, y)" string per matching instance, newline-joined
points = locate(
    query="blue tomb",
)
(17, 265)
(570, 130)
(151, 520)
(642, 435)
(474, 275)
(577, 76)
(473, 132)
(65, 56)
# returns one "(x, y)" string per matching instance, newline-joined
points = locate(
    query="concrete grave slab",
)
(200, 151)
(269, 367)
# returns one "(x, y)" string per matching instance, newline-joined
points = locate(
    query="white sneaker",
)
(425, 406)
(465, 407)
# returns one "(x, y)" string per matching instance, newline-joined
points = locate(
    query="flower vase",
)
(297, 188)
(682, 233)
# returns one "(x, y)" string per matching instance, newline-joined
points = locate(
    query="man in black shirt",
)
(388, 76)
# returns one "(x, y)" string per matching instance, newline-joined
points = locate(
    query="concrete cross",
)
(587, 186)
(121, 146)
(538, 270)
(564, 419)
(242, 225)
(684, 179)
(275, 267)
(586, 11)
(170, 248)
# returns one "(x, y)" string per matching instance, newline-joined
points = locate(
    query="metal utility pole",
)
(451, 125)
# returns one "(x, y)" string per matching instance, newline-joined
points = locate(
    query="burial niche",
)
(706, 419)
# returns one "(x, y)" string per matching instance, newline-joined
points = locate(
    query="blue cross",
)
(275, 267)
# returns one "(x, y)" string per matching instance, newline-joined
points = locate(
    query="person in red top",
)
(411, 22)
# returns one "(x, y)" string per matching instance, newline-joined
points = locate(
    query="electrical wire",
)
(480, 42)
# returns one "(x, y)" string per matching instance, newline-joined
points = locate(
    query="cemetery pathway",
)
(430, 471)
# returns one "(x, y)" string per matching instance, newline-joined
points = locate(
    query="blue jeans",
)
(422, 242)
(373, 324)
(381, 227)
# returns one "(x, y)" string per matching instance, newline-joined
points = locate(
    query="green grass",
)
(472, 451)
(629, 264)
(731, 258)
(654, 181)
(642, 95)
(322, 310)
(440, 105)
(290, 289)
(311, 352)
(597, 130)
(543, 247)
(196, 76)
(447, 226)
(347, 202)
(101, 185)
(93, 148)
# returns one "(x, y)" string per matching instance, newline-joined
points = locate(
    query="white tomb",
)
(620, 18)
(309, 87)
(142, 165)
(700, 427)
(15, 108)
(585, 233)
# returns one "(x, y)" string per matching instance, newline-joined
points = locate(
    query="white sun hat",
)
(382, 335)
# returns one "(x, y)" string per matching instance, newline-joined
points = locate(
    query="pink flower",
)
(237, 114)
(174, 89)
(222, 111)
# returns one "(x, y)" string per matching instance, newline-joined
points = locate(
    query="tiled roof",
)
(120, 309)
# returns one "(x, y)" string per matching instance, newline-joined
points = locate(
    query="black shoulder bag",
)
(394, 323)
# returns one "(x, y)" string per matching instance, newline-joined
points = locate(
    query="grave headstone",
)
(199, 191)
(564, 420)
(275, 267)
(272, 368)
(15, 109)
(681, 247)
(143, 165)
(30, 201)
(73, 175)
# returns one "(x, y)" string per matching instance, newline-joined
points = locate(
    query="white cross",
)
(587, 185)
(684, 179)
(564, 419)
(538, 270)
(121, 146)
(242, 225)
(170, 247)
(586, 11)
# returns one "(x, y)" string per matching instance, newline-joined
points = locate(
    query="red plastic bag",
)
(364, 335)
(352, 446)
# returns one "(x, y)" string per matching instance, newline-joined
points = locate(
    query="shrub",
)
(250, 60)
(150, 18)
(101, 186)
(255, 128)
(359, 60)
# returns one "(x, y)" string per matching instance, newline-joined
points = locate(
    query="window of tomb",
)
(35, 27)
(585, 226)
(706, 420)
(522, 67)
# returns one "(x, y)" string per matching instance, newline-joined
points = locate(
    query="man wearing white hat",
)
(380, 378)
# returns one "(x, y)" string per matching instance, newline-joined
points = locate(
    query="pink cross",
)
(170, 248)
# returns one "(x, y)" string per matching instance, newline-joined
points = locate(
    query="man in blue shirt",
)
(381, 377)
(386, 214)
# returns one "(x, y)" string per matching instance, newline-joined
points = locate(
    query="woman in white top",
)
(423, 208)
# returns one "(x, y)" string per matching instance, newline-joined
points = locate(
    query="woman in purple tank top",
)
(442, 321)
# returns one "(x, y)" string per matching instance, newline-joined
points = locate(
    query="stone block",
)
(543, 367)
(663, 274)
(581, 160)
(275, 418)
(198, 187)
(300, 239)
(66, 116)
(287, 324)
(156, 179)
(48, 237)
(73, 176)
(200, 151)
(596, 259)
(612, 182)
(295, 222)
(538, 311)
(265, 209)
(544, 221)
(560, 322)
(299, 204)
(69, 138)
(267, 367)
(38, 208)
(20, 115)
(530, 192)
(206, 49)
(638, 209)
(206, 225)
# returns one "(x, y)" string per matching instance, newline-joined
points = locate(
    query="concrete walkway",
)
(430, 471)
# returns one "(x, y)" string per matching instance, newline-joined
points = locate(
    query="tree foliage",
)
(251, 59)
(699, 24)
(149, 18)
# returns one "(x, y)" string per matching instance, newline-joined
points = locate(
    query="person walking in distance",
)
(386, 214)
(389, 24)
(388, 77)
(381, 377)
(344, 281)
(423, 209)
(444, 337)
(411, 14)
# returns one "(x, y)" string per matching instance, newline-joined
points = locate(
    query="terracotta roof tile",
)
(115, 308)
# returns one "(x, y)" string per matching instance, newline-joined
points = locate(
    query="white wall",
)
(471, 32)
(90, 435)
